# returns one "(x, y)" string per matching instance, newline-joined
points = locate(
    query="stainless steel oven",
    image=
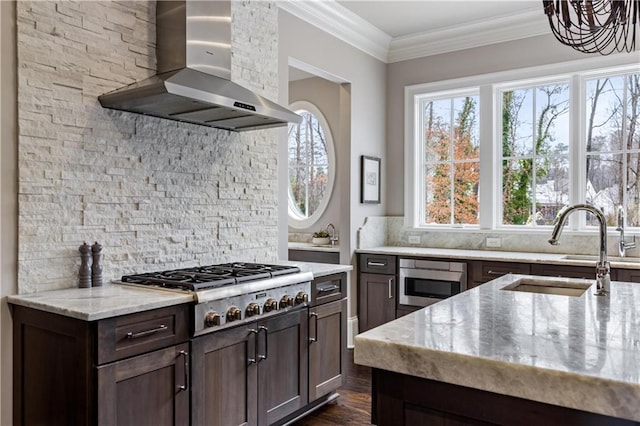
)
(424, 282)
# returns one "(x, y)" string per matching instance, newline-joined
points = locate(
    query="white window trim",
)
(578, 71)
(294, 221)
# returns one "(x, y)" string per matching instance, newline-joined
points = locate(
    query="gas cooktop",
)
(210, 277)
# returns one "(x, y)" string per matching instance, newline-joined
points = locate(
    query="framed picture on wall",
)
(370, 180)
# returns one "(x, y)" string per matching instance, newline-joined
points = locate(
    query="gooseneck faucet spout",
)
(603, 279)
(623, 245)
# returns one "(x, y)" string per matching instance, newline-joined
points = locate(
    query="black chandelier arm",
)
(595, 26)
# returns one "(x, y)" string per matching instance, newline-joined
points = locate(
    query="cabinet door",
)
(377, 300)
(282, 365)
(327, 348)
(149, 389)
(225, 381)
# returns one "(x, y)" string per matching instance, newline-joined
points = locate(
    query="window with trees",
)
(450, 151)
(612, 136)
(545, 141)
(311, 166)
(535, 153)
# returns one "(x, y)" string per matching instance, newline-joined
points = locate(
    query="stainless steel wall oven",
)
(424, 282)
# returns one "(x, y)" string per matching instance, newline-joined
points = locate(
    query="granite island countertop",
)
(503, 256)
(112, 299)
(576, 352)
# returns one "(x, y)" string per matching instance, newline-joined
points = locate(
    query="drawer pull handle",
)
(131, 335)
(186, 371)
(497, 273)
(369, 263)
(328, 289)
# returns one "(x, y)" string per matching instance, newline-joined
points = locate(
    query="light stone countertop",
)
(503, 256)
(314, 247)
(318, 269)
(112, 299)
(577, 352)
(97, 303)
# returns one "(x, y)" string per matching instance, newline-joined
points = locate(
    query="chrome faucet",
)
(603, 280)
(623, 246)
(332, 237)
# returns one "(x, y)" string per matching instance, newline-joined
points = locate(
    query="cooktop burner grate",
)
(211, 276)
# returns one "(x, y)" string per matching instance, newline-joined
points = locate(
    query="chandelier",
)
(595, 26)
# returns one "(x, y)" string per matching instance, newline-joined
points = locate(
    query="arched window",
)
(311, 166)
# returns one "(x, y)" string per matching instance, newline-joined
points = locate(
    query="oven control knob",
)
(270, 305)
(302, 297)
(211, 319)
(234, 314)
(286, 301)
(253, 309)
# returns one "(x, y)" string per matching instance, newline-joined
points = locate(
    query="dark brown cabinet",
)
(566, 271)
(315, 256)
(147, 389)
(481, 271)
(376, 300)
(377, 290)
(131, 369)
(327, 344)
(253, 374)
(627, 275)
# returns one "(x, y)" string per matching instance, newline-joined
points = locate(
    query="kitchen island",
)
(493, 355)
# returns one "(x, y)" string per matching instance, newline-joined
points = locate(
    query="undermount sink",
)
(593, 258)
(555, 286)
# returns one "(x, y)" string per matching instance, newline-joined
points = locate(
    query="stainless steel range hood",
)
(193, 85)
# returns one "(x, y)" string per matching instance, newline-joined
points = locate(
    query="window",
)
(547, 138)
(535, 153)
(612, 129)
(451, 159)
(311, 166)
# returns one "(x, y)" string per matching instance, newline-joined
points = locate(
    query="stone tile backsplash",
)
(390, 231)
(156, 194)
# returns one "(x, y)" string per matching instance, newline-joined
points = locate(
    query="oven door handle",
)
(255, 347)
(266, 343)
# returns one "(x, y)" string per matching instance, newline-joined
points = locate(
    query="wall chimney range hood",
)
(193, 50)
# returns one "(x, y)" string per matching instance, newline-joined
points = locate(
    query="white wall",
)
(325, 95)
(364, 133)
(8, 200)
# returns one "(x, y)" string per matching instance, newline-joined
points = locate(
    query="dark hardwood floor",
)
(353, 407)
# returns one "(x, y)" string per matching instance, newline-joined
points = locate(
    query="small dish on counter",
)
(321, 241)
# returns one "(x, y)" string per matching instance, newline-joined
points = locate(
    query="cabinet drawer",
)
(564, 271)
(329, 288)
(377, 263)
(487, 271)
(133, 334)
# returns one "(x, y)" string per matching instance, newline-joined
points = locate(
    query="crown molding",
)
(334, 19)
(498, 30)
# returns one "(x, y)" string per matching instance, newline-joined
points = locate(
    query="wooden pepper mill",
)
(84, 276)
(96, 267)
